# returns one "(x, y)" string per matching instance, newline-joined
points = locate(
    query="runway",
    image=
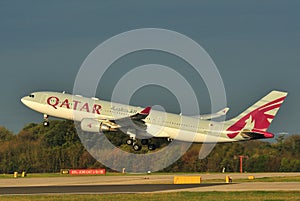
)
(140, 184)
(97, 189)
(151, 188)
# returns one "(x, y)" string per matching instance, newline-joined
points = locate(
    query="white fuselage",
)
(159, 124)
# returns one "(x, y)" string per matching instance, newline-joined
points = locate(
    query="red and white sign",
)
(87, 171)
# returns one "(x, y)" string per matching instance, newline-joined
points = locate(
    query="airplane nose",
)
(24, 101)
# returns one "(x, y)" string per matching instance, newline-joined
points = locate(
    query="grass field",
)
(190, 196)
(47, 175)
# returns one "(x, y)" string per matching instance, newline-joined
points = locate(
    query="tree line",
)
(38, 149)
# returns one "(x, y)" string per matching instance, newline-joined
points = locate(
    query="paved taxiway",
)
(139, 184)
(151, 188)
(140, 188)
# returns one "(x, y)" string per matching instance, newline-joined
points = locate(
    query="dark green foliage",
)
(261, 156)
(5, 135)
(43, 149)
(48, 149)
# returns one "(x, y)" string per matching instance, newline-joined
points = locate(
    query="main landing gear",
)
(138, 146)
(46, 120)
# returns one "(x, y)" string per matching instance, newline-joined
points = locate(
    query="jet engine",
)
(96, 126)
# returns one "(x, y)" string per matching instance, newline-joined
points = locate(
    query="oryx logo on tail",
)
(258, 117)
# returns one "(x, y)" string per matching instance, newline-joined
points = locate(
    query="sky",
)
(254, 44)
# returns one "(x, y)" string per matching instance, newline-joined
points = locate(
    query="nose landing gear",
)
(46, 120)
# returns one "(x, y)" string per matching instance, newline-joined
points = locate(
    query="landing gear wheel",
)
(46, 123)
(170, 139)
(137, 147)
(151, 147)
(144, 141)
(129, 141)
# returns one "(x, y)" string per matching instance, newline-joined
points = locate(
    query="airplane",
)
(142, 124)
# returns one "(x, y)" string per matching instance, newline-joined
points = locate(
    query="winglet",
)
(225, 110)
(141, 115)
(146, 111)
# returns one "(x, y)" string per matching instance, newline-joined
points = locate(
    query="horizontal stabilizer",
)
(257, 134)
(214, 115)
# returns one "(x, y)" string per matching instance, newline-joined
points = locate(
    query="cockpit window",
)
(31, 96)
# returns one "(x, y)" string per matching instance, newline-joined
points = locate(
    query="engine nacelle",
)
(95, 126)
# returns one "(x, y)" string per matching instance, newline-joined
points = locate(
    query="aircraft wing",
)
(214, 115)
(96, 125)
(137, 119)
